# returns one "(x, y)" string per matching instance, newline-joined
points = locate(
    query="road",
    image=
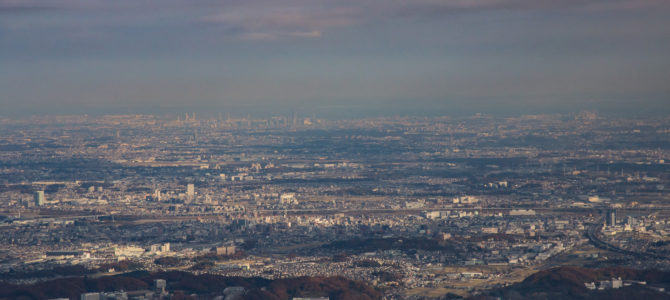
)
(591, 233)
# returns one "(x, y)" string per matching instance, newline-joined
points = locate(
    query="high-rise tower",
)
(39, 198)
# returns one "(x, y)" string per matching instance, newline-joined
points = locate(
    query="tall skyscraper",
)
(39, 198)
(610, 218)
(190, 190)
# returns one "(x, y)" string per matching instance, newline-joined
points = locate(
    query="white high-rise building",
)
(190, 190)
(39, 198)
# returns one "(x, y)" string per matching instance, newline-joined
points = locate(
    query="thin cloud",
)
(423, 8)
(259, 36)
(270, 22)
(271, 19)
(14, 6)
(273, 36)
(306, 34)
(37, 5)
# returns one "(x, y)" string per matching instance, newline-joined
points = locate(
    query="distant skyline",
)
(334, 58)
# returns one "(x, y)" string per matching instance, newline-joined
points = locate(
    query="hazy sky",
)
(333, 57)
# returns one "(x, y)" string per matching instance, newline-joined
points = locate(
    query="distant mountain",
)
(568, 283)
(183, 283)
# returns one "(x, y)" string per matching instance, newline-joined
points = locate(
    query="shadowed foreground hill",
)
(203, 285)
(568, 283)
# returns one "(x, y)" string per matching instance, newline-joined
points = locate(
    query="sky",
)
(334, 58)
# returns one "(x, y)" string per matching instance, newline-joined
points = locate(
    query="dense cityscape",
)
(405, 207)
(334, 150)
